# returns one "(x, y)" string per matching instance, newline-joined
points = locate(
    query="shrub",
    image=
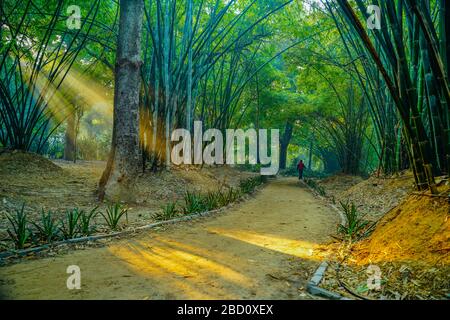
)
(169, 211)
(192, 203)
(19, 232)
(47, 227)
(86, 228)
(321, 190)
(69, 224)
(211, 200)
(355, 223)
(317, 187)
(249, 185)
(233, 195)
(222, 198)
(114, 213)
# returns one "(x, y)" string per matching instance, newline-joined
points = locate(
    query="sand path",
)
(263, 248)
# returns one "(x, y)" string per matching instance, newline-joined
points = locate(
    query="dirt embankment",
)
(373, 196)
(416, 230)
(410, 243)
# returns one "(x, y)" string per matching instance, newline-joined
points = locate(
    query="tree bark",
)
(69, 145)
(124, 163)
(284, 143)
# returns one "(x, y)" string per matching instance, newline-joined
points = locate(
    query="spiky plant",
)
(69, 224)
(113, 215)
(19, 232)
(47, 227)
(192, 203)
(167, 212)
(355, 222)
(86, 226)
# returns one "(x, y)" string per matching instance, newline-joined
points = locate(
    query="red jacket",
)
(300, 166)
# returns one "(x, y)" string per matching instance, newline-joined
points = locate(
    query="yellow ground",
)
(264, 248)
(417, 230)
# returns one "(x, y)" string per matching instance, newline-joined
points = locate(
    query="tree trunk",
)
(311, 146)
(69, 145)
(124, 163)
(284, 143)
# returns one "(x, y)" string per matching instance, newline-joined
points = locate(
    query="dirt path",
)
(264, 248)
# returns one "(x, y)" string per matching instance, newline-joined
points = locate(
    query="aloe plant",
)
(211, 200)
(19, 232)
(47, 226)
(169, 211)
(192, 203)
(69, 224)
(114, 213)
(355, 220)
(86, 226)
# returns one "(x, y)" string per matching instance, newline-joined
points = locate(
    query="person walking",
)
(300, 168)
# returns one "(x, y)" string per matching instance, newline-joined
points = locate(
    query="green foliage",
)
(321, 190)
(355, 222)
(114, 213)
(233, 195)
(47, 227)
(168, 212)
(196, 203)
(211, 200)
(19, 232)
(69, 224)
(193, 203)
(86, 226)
(317, 187)
(222, 198)
(249, 185)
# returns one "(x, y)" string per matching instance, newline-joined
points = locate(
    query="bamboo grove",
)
(197, 60)
(403, 67)
(354, 98)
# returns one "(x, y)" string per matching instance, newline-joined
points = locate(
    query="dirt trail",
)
(264, 248)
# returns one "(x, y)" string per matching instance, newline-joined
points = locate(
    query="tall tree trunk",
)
(124, 163)
(69, 145)
(284, 143)
(189, 109)
(167, 79)
(311, 146)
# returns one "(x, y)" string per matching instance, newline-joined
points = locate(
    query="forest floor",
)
(264, 248)
(59, 185)
(409, 246)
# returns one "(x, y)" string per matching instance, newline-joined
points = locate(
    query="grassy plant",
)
(192, 203)
(19, 232)
(355, 223)
(233, 195)
(249, 185)
(246, 186)
(211, 200)
(311, 183)
(321, 190)
(69, 224)
(222, 198)
(114, 213)
(47, 227)
(318, 188)
(86, 226)
(169, 211)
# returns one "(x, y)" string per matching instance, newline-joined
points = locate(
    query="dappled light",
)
(297, 248)
(224, 149)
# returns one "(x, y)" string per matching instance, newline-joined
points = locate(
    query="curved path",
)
(264, 248)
